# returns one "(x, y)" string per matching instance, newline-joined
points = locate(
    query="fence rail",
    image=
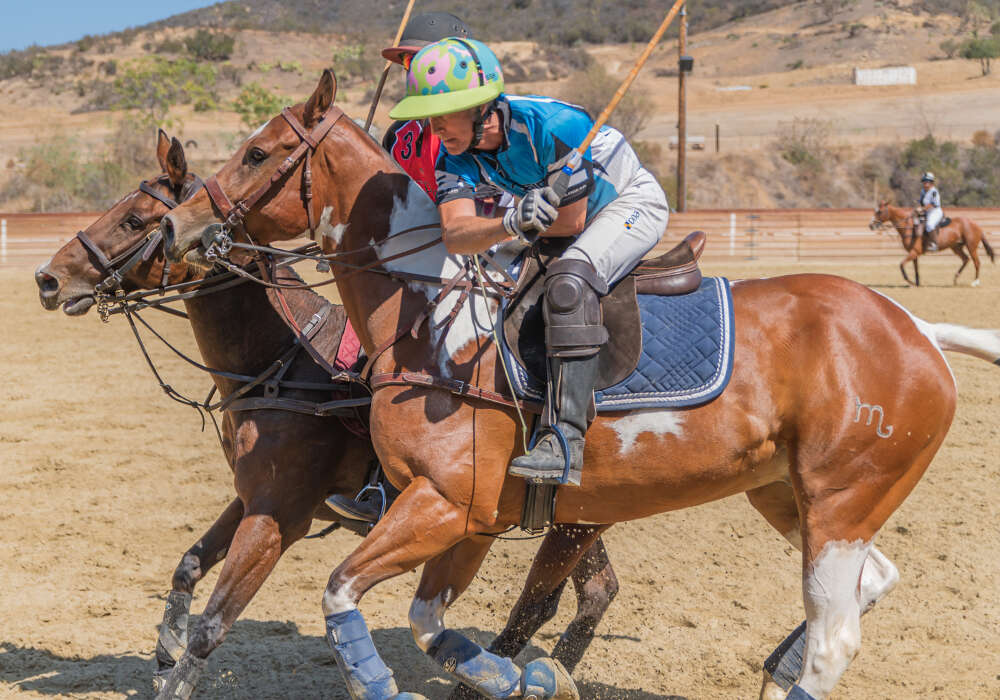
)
(736, 234)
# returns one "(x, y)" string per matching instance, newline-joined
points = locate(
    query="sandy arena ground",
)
(105, 482)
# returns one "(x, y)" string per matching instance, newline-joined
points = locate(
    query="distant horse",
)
(961, 233)
(240, 330)
(839, 400)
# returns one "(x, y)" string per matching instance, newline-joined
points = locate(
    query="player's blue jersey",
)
(930, 198)
(539, 133)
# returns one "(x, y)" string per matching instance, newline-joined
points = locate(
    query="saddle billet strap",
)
(454, 386)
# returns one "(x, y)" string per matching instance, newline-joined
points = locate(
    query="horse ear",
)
(162, 146)
(176, 163)
(321, 99)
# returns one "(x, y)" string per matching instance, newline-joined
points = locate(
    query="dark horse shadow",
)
(258, 660)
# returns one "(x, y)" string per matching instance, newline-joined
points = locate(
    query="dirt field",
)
(105, 482)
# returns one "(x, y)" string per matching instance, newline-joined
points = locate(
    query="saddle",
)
(673, 273)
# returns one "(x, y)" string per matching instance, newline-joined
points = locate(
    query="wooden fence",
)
(738, 234)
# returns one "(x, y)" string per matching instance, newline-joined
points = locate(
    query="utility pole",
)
(684, 64)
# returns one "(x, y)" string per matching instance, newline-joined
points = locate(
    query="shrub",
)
(210, 46)
(950, 47)
(356, 62)
(152, 85)
(983, 139)
(256, 105)
(805, 142)
(170, 46)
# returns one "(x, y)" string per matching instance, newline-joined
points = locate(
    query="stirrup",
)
(535, 475)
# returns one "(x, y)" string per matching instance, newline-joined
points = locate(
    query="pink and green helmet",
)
(449, 76)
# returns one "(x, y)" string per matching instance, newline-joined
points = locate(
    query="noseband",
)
(235, 214)
(115, 269)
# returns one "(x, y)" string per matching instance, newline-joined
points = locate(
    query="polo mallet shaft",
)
(388, 65)
(562, 181)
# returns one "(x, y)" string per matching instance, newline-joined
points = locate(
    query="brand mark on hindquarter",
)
(872, 410)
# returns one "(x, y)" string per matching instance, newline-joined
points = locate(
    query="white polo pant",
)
(625, 230)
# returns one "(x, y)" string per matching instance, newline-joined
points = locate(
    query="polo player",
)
(611, 215)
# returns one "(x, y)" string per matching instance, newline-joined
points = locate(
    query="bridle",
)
(219, 241)
(114, 269)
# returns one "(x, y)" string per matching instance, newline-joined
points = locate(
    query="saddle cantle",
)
(675, 272)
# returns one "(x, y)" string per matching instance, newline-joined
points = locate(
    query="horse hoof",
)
(547, 679)
(975, 283)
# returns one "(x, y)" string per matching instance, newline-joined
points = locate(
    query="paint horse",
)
(808, 349)
(240, 330)
(961, 235)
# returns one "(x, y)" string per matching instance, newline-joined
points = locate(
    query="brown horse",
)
(838, 402)
(241, 330)
(961, 233)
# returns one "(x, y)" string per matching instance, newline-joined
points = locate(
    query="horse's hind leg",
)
(593, 578)
(974, 253)
(965, 261)
(776, 502)
(203, 555)
(444, 578)
(596, 586)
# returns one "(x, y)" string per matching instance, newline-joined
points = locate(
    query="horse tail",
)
(978, 342)
(989, 248)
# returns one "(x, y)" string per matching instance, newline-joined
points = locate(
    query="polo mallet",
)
(561, 184)
(388, 65)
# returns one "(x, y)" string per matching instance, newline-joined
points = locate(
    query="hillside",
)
(760, 67)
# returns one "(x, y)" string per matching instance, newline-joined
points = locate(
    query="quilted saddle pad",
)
(687, 353)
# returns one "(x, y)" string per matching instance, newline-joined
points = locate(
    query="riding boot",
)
(574, 335)
(368, 505)
(930, 241)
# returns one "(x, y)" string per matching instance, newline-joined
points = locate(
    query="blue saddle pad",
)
(687, 353)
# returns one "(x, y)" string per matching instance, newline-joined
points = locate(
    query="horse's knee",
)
(598, 592)
(339, 596)
(427, 619)
(187, 573)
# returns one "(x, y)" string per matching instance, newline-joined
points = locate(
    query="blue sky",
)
(26, 22)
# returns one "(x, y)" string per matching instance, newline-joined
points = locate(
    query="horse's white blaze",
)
(477, 314)
(833, 612)
(343, 600)
(657, 421)
(258, 130)
(427, 619)
(978, 342)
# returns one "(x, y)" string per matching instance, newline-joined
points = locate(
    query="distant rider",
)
(930, 206)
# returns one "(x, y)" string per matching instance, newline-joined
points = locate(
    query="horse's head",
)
(881, 216)
(120, 248)
(296, 175)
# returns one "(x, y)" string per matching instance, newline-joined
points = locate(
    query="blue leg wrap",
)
(491, 675)
(366, 675)
(785, 663)
(796, 693)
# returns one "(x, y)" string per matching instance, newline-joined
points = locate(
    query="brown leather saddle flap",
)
(675, 272)
(524, 326)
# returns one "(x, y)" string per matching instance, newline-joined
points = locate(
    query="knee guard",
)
(572, 309)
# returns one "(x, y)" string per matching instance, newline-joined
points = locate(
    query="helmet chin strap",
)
(479, 125)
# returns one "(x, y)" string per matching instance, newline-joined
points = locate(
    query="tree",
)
(209, 46)
(983, 50)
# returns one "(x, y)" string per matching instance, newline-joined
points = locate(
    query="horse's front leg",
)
(203, 555)
(444, 579)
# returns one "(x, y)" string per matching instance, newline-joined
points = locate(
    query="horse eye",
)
(257, 156)
(134, 223)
